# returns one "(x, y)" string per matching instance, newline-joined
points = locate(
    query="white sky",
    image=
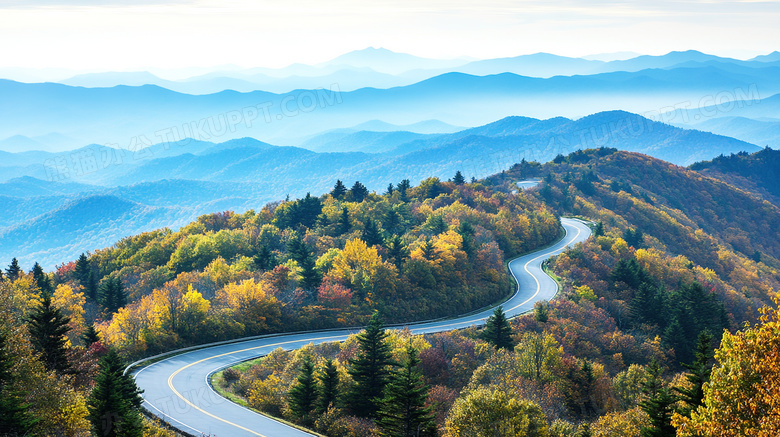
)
(136, 35)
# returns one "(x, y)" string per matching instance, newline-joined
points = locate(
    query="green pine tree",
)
(83, 274)
(301, 253)
(115, 401)
(265, 259)
(459, 179)
(303, 394)
(328, 388)
(429, 250)
(658, 404)
(370, 369)
(436, 224)
(358, 192)
(42, 279)
(403, 412)
(15, 417)
(466, 231)
(397, 251)
(344, 225)
(390, 189)
(403, 186)
(497, 331)
(372, 236)
(339, 190)
(112, 294)
(90, 335)
(48, 328)
(699, 375)
(391, 221)
(13, 271)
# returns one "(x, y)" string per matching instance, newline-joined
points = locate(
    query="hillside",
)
(674, 254)
(666, 265)
(422, 251)
(756, 172)
(679, 211)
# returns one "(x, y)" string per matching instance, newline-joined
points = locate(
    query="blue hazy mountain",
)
(766, 109)
(127, 117)
(536, 65)
(361, 141)
(772, 57)
(179, 181)
(83, 224)
(761, 133)
(387, 61)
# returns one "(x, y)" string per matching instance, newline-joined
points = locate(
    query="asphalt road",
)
(177, 390)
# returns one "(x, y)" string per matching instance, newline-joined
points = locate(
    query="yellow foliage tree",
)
(627, 423)
(743, 396)
(72, 305)
(489, 413)
(357, 265)
(249, 304)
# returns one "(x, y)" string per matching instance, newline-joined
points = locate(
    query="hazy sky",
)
(134, 35)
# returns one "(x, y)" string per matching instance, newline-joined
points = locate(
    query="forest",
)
(653, 332)
(655, 309)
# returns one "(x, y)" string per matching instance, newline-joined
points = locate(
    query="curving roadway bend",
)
(177, 389)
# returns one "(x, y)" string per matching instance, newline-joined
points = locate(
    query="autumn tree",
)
(115, 401)
(538, 355)
(303, 394)
(492, 412)
(370, 369)
(497, 331)
(403, 412)
(48, 329)
(742, 396)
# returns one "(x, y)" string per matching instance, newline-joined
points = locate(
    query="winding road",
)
(177, 389)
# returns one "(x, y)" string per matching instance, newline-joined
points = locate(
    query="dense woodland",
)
(756, 172)
(625, 350)
(677, 260)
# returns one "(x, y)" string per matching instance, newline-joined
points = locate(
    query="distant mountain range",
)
(382, 68)
(104, 194)
(132, 117)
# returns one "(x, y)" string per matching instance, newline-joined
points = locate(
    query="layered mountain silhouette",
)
(168, 184)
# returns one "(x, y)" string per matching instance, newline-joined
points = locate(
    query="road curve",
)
(177, 389)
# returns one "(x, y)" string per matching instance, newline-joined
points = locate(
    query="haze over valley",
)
(395, 219)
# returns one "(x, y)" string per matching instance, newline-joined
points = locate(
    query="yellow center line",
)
(187, 401)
